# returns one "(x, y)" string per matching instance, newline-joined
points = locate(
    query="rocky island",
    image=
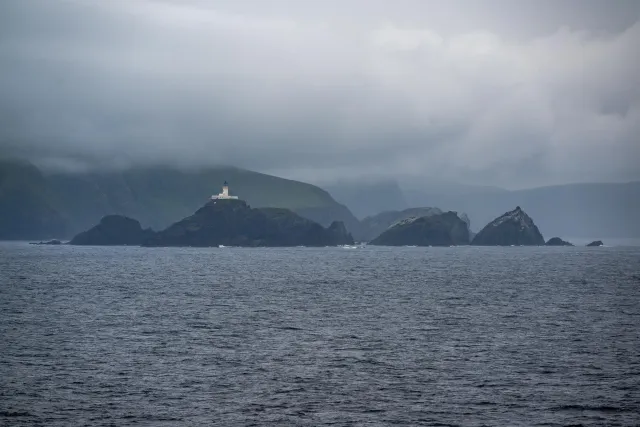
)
(595, 243)
(373, 226)
(444, 229)
(113, 230)
(231, 222)
(556, 241)
(225, 220)
(514, 228)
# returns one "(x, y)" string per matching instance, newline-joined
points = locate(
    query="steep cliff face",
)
(28, 208)
(513, 228)
(234, 223)
(113, 230)
(338, 232)
(326, 215)
(437, 230)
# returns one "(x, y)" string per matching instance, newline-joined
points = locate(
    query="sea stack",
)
(514, 228)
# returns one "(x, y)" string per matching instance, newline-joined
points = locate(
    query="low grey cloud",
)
(509, 93)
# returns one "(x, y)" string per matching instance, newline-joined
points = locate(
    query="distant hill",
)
(36, 205)
(573, 210)
(28, 208)
(415, 190)
(366, 198)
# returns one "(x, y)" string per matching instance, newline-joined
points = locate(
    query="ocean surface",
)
(468, 336)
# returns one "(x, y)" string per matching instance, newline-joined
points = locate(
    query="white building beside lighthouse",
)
(225, 193)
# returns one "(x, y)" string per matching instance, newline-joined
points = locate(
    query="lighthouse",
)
(225, 193)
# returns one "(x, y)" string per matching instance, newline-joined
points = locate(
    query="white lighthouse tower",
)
(225, 193)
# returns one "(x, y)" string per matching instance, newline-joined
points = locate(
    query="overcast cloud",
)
(508, 93)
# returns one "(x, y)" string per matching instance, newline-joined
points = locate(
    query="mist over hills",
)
(510, 93)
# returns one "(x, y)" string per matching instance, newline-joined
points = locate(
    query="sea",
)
(370, 336)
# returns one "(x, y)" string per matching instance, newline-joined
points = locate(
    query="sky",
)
(496, 92)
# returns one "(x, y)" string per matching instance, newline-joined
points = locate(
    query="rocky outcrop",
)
(514, 228)
(50, 242)
(234, 223)
(596, 243)
(326, 215)
(338, 232)
(113, 230)
(436, 230)
(556, 241)
(375, 225)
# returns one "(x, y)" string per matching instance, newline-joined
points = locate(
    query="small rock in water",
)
(50, 242)
(596, 243)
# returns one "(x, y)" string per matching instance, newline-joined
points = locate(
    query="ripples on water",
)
(375, 336)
